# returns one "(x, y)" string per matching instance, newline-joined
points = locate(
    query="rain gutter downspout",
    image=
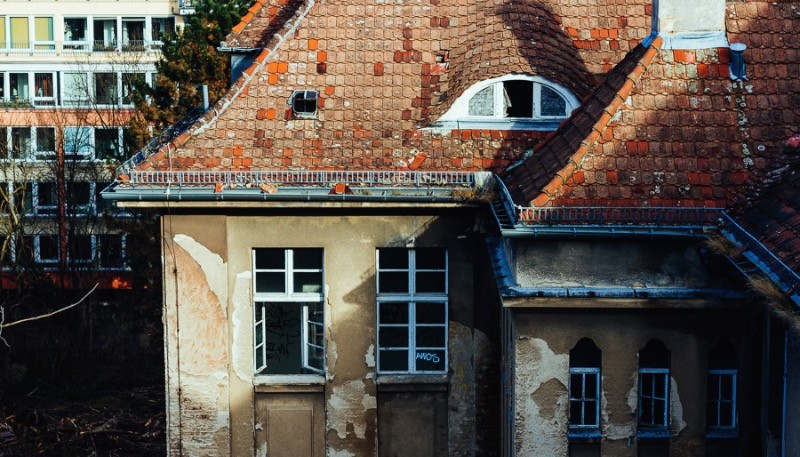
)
(785, 389)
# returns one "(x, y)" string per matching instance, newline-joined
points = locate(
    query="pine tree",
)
(188, 60)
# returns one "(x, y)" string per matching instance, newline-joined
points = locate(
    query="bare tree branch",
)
(42, 316)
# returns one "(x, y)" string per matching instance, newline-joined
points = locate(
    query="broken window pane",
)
(520, 97)
(482, 103)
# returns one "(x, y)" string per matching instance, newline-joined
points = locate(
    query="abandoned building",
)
(470, 228)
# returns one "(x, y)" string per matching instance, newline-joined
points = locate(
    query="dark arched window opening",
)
(584, 389)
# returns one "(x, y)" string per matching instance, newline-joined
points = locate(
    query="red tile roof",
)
(688, 135)
(662, 127)
(772, 215)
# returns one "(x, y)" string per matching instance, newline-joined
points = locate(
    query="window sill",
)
(652, 434)
(393, 379)
(722, 434)
(584, 434)
(541, 125)
(289, 379)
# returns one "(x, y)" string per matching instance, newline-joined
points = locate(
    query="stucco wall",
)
(578, 263)
(209, 299)
(542, 342)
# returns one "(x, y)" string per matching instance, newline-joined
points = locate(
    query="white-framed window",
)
(75, 88)
(105, 34)
(721, 385)
(43, 37)
(44, 89)
(511, 102)
(78, 142)
(304, 104)
(289, 317)
(111, 251)
(721, 397)
(47, 249)
(584, 390)
(654, 388)
(412, 310)
(76, 34)
(161, 28)
(45, 145)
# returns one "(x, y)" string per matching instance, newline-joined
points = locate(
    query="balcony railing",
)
(101, 46)
(664, 216)
(304, 178)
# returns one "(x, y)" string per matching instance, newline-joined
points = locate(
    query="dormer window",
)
(304, 104)
(512, 102)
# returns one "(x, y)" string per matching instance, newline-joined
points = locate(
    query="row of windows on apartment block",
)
(84, 33)
(70, 88)
(98, 252)
(289, 316)
(40, 198)
(653, 411)
(79, 143)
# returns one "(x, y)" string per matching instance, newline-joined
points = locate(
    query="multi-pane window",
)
(111, 250)
(721, 390)
(654, 376)
(289, 335)
(47, 249)
(721, 396)
(412, 310)
(76, 89)
(584, 389)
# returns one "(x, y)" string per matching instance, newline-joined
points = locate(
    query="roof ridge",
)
(526, 170)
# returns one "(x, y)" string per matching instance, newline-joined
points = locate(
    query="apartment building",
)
(66, 76)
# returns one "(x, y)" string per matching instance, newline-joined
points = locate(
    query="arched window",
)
(654, 363)
(584, 389)
(511, 102)
(721, 390)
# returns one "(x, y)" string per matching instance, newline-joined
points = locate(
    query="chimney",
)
(737, 69)
(690, 24)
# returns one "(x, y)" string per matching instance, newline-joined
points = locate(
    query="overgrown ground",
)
(87, 382)
(113, 423)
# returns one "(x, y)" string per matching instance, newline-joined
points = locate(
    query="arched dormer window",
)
(511, 102)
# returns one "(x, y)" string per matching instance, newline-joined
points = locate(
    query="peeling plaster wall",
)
(542, 342)
(542, 401)
(222, 402)
(196, 329)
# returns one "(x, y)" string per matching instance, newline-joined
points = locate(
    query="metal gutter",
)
(620, 292)
(181, 195)
(763, 258)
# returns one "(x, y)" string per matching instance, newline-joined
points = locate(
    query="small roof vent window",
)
(304, 104)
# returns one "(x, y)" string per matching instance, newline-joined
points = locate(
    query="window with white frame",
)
(654, 386)
(721, 391)
(161, 28)
(517, 102)
(412, 310)
(289, 318)
(45, 142)
(43, 37)
(76, 36)
(584, 390)
(75, 87)
(78, 142)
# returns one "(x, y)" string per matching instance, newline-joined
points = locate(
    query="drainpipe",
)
(785, 389)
